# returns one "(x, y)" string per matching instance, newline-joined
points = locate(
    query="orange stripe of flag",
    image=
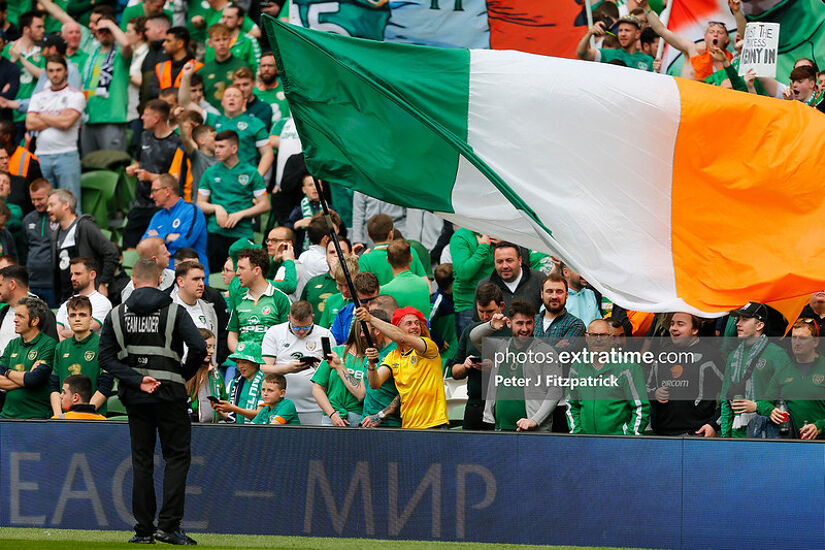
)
(748, 200)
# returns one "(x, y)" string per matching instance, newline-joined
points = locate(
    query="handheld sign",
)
(760, 49)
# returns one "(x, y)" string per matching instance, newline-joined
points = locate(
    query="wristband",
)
(335, 412)
(382, 415)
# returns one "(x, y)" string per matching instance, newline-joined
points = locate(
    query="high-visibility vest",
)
(163, 71)
(181, 168)
(19, 162)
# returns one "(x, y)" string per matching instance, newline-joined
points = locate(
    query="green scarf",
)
(252, 397)
(741, 363)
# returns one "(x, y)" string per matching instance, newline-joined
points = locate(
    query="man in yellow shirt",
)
(415, 366)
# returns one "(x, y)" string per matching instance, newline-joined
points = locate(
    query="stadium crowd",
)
(186, 111)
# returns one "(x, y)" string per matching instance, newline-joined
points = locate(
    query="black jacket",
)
(37, 244)
(143, 302)
(90, 242)
(528, 289)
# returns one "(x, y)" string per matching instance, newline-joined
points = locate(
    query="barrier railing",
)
(515, 488)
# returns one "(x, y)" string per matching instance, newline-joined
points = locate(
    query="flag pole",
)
(665, 20)
(340, 253)
(588, 9)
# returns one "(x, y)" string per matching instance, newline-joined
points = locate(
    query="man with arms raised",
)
(415, 365)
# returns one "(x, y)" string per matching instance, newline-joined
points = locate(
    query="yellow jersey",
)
(418, 377)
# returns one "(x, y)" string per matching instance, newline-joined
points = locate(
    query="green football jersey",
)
(235, 189)
(72, 356)
(276, 98)
(332, 306)
(244, 47)
(636, 60)
(339, 396)
(317, 291)
(375, 261)
(251, 134)
(21, 356)
(217, 76)
(380, 398)
(250, 318)
(283, 412)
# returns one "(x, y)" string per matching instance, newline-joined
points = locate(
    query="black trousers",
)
(217, 250)
(137, 224)
(171, 421)
(474, 418)
(560, 425)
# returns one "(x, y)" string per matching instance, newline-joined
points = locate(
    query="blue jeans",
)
(63, 172)
(463, 319)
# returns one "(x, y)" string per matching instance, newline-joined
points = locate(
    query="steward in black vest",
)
(141, 344)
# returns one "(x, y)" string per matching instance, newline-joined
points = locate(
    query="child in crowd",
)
(206, 383)
(277, 410)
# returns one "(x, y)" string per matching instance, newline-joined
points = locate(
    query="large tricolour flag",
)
(667, 194)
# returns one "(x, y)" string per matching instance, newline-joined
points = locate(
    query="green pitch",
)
(70, 539)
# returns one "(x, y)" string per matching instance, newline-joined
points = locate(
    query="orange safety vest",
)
(19, 162)
(703, 65)
(164, 73)
(181, 168)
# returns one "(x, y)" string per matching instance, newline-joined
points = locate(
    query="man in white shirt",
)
(54, 113)
(282, 349)
(83, 272)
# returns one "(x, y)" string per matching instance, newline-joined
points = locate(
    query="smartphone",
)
(326, 347)
(309, 359)
(213, 399)
(475, 360)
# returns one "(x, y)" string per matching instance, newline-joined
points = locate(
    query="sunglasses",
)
(812, 322)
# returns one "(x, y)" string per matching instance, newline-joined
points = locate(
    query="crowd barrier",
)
(439, 485)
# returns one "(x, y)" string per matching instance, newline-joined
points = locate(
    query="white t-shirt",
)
(314, 261)
(196, 312)
(280, 342)
(7, 333)
(138, 55)
(52, 141)
(101, 306)
(514, 284)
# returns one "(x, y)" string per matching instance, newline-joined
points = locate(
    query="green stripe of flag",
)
(382, 118)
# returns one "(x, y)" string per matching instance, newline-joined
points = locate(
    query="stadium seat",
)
(98, 189)
(125, 194)
(216, 281)
(92, 203)
(129, 258)
(105, 159)
(114, 406)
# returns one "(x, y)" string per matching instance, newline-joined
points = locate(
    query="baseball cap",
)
(248, 351)
(54, 40)
(239, 245)
(752, 309)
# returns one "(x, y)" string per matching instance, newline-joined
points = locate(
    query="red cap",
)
(409, 310)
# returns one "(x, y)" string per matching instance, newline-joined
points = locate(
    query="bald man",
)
(153, 248)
